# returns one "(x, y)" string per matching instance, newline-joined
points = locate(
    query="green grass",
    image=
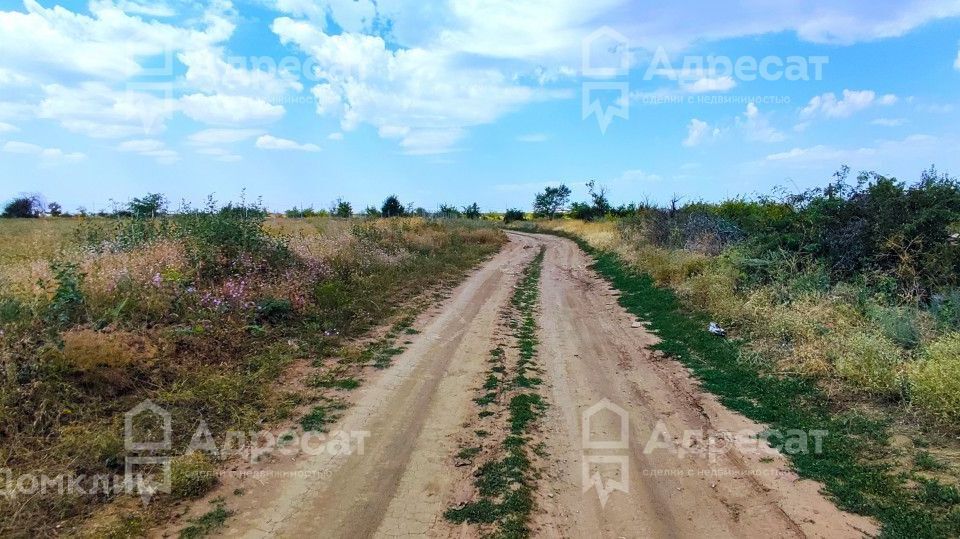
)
(320, 416)
(923, 460)
(207, 523)
(853, 464)
(505, 484)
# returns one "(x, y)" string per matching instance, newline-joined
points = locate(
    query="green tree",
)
(447, 211)
(472, 211)
(341, 208)
(23, 207)
(392, 207)
(54, 209)
(598, 196)
(513, 214)
(551, 201)
(151, 205)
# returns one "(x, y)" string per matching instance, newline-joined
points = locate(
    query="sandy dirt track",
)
(590, 350)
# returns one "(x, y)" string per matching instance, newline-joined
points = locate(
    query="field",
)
(203, 313)
(470, 356)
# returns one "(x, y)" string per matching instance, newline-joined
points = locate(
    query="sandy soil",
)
(590, 350)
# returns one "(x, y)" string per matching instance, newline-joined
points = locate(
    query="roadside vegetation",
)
(203, 311)
(509, 405)
(842, 306)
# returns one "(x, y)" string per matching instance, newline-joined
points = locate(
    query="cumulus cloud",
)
(636, 176)
(918, 146)
(756, 126)
(106, 45)
(698, 131)
(229, 109)
(207, 70)
(214, 137)
(7, 128)
(220, 154)
(425, 98)
(269, 142)
(852, 102)
(153, 148)
(46, 156)
(888, 122)
(96, 110)
(708, 85)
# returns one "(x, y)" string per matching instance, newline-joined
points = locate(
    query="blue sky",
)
(302, 102)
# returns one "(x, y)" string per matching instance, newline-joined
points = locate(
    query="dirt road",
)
(590, 350)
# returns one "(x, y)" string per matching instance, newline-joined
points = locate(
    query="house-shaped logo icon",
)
(610, 46)
(129, 437)
(623, 440)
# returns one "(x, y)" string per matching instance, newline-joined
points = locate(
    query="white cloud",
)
(424, 97)
(699, 131)
(21, 147)
(47, 156)
(268, 142)
(229, 109)
(709, 84)
(888, 122)
(153, 9)
(335, 136)
(153, 148)
(636, 176)
(96, 110)
(220, 154)
(7, 128)
(209, 72)
(10, 78)
(143, 145)
(757, 128)
(853, 101)
(533, 137)
(107, 45)
(213, 137)
(917, 146)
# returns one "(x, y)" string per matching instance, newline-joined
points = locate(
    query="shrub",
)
(273, 310)
(945, 308)
(191, 475)
(871, 362)
(900, 324)
(392, 207)
(472, 211)
(68, 301)
(513, 215)
(935, 379)
(341, 208)
(23, 207)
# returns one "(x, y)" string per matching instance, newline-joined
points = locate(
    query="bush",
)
(900, 324)
(68, 301)
(935, 379)
(191, 475)
(871, 362)
(513, 215)
(392, 207)
(273, 310)
(23, 207)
